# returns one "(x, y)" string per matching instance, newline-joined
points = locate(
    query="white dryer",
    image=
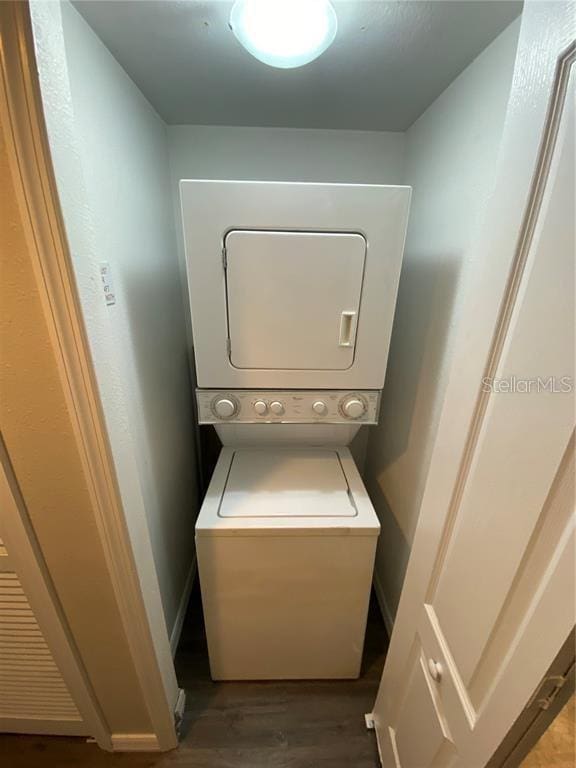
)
(293, 289)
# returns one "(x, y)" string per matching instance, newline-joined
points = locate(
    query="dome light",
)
(284, 33)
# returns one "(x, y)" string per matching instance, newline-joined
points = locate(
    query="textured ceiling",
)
(389, 61)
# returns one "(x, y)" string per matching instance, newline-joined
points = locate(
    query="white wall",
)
(286, 154)
(450, 161)
(110, 151)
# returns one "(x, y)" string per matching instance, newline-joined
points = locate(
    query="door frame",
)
(545, 54)
(31, 166)
(556, 688)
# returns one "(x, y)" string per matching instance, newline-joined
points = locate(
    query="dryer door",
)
(293, 298)
(292, 286)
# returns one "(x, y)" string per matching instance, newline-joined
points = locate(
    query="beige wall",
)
(38, 432)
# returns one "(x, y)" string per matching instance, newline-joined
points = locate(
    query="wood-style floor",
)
(241, 725)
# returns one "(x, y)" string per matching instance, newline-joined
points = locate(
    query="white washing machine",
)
(293, 288)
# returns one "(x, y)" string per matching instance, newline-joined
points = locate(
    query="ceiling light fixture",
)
(284, 33)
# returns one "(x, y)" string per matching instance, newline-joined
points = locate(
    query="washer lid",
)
(286, 484)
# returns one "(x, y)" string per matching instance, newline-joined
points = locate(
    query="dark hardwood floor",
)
(317, 724)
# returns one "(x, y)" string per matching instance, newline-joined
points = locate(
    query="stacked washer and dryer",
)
(292, 288)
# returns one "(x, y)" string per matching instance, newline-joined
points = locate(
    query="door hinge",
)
(557, 681)
(369, 720)
(224, 258)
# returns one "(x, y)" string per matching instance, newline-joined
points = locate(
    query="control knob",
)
(277, 407)
(224, 407)
(353, 407)
(260, 407)
(320, 408)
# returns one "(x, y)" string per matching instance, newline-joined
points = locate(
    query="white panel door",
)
(497, 588)
(293, 299)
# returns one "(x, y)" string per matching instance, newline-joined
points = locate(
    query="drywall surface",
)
(450, 161)
(111, 159)
(286, 154)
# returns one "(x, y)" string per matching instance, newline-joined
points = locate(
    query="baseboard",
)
(179, 620)
(32, 726)
(384, 609)
(135, 742)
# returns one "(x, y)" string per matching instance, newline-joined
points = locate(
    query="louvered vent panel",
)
(31, 686)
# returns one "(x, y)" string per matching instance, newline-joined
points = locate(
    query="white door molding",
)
(141, 610)
(545, 56)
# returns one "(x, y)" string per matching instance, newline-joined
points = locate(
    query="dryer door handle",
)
(347, 329)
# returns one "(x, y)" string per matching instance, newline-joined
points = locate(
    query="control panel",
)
(287, 406)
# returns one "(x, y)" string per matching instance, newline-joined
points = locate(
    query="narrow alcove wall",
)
(110, 152)
(451, 157)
